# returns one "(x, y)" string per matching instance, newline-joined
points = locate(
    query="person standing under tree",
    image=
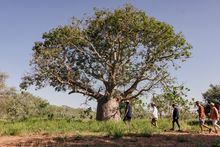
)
(175, 117)
(201, 112)
(154, 115)
(128, 112)
(214, 116)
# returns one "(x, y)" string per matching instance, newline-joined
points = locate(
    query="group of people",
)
(214, 116)
(175, 116)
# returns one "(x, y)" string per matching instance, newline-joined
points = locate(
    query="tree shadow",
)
(177, 139)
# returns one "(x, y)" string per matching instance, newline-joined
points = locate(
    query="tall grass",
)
(114, 129)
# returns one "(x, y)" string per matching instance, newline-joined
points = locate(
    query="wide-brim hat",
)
(212, 104)
(126, 101)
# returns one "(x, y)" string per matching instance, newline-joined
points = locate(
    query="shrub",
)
(11, 131)
(217, 144)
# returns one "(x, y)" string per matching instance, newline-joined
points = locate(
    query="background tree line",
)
(22, 105)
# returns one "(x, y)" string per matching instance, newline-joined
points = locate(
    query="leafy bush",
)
(217, 144)
(16, 106)
(11, 131)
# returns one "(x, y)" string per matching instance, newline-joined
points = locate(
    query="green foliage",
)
(212, 95)
(50, 116)
(20, 106)
(120, 50)
(196, 122)
(115, 130)
(174, 95)
(65, 112)
(11, 132)
(137, 108)
(87, 113)
(217, 144)
(24, 105)
(3, 77)
(138, 127)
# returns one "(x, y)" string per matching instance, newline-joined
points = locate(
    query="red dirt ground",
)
(168, 139)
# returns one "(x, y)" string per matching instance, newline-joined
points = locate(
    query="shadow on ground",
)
(157, 140)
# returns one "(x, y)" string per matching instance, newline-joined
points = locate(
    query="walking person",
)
(201, 112)
(128, 112)
(154, 115)
(175, 117)
(214, 116)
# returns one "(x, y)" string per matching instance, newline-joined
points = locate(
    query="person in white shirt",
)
(154, 115)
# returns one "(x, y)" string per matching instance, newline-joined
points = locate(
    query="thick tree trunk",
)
(108, 109)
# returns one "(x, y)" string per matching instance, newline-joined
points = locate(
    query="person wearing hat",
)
(201, 112)
(175, 117)
(128, 112)
(214, 116)
(154, 115)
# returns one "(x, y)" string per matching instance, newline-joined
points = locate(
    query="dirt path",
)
(169, 139)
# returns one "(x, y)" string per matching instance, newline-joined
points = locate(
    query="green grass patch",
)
(140, 127)
(217, 144)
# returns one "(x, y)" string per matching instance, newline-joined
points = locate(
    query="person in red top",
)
(201, 112)
(214, 116)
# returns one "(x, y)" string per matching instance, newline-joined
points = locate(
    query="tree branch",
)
(73, 84)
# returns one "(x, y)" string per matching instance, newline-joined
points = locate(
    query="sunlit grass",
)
(141, 127)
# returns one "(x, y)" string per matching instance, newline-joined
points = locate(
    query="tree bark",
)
(108, 109)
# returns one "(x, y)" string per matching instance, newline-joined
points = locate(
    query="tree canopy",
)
(122, 50)
(173, 95)
(212, 95)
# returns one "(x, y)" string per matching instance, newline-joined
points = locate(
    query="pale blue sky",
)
(22, 22)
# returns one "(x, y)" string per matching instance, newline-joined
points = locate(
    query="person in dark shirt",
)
(128, 112)
(175, 117)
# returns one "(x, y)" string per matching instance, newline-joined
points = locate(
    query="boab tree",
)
(123, 50)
